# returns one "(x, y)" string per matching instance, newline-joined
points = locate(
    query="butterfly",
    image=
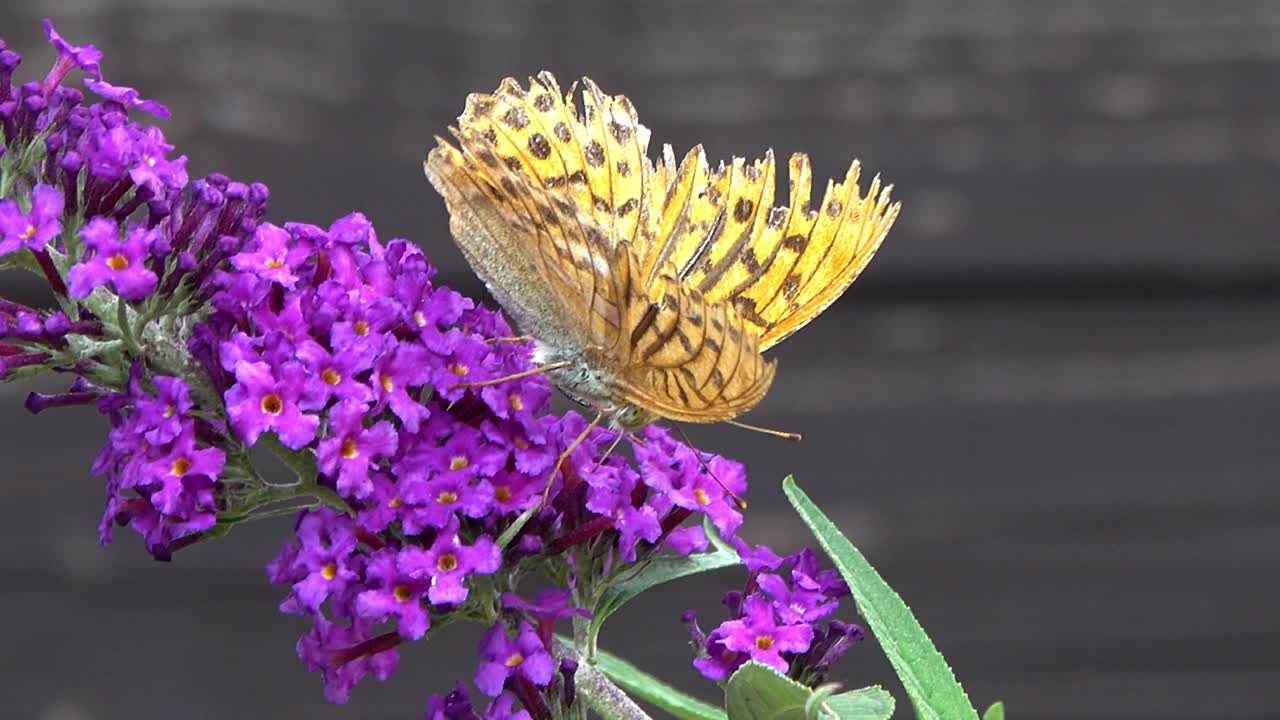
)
(651, 289)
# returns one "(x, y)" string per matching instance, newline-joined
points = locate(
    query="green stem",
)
(607, 699)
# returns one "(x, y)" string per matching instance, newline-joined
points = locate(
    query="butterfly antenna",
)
(612, 446)
(546, 492)
(516, 339)
(794, 437)
(737, 499)
(516, 376)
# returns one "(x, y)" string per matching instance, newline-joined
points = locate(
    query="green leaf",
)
(510, 533)
(869, 703)
(651, 689)
(656, 571)
(995, 712)
(758, 692)
(925, 675)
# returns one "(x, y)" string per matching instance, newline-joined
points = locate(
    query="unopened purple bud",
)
(690, 619)
(568, 669)
(733, 601)
(217, 180)
(57, 325)
(258, 193)
(39, 402)
(29, 326)
(187, 262)
(9, 363)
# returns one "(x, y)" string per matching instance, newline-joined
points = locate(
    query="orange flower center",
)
(395, 502)
(361, 327)
(118, 262)
(447, 497)
(447, 563)
(419, 318)
(180, 467)
(349, 449)
(502, 493)
(329, 571)
(458, 462)
(30, 232)
(517, 404)
(521, 443)
(702, 496)
(514, 660)
(331, 376)
(275, 263)
(402, 593)
(764, 642)
(459, 369)
(387, 384)
(170, 411)
(272, 404)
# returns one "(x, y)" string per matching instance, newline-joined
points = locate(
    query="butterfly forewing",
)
(597, 157)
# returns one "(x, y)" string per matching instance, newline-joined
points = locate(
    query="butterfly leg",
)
(612, 446)
(514, 376)
(582, 436)
(737, 499)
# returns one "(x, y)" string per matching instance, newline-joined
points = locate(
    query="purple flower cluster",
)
(774, 620)
(339, 346)
(93, 200)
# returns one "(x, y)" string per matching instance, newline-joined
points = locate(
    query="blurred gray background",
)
(1047, 412)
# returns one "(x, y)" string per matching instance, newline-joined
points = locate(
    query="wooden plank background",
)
(1048, 413)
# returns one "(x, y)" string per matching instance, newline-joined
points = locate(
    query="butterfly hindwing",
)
(691, 359)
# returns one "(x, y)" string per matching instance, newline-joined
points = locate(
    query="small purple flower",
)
(262, 400)
(796, 605)
(344, 654)
(85, 57)
(272, 256)
(326, 558)
(503, 707)
(502, 657)
(120, 262)
(127, 97)
(610, 494)
(35, 229)
(436, 503)
(759, 635)
(448, 562)
(352, 450)
(454, 706)
(673, 469)
(182, 460)
(396, 592)
(163, 413)
(337, 373)
(394, 374)
(152, 169)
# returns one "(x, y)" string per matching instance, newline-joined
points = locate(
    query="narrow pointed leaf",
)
(926, 677)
